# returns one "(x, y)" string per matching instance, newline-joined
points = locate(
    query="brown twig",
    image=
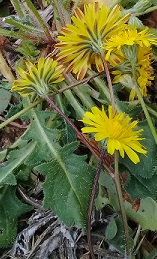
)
(100, 164)
(82, 82)
(109, 82)
(28, 199)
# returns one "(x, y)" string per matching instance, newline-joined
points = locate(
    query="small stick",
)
(100, 164)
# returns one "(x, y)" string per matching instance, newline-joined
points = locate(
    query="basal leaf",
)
(4, 99)
(118, 240)
(68, 185)
(146, 215)
(152, 255)
(10, 209)
(137, 187)
(46, 139)
(17, 157)
(3, 154)
(111, 229)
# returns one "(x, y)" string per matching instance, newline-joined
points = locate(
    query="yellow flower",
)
(144, 71)
(117, 129)
(40, 79)
(81, 43)
(129, 36)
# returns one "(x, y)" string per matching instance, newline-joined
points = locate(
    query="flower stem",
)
(121, 204)
(73, 101)
(149, 120)
(20, 113)
(84, 97)
(109, 82)
(100, 164)
(101, 85)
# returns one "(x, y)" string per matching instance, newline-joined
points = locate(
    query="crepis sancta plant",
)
(88, 90)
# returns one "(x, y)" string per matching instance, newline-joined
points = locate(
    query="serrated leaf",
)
(46, 139)
(11, 208)
(4, 99)
(29, 50)
(17, 157)
(68, 185)
(23, 173)
(111, 229)
(148, 164)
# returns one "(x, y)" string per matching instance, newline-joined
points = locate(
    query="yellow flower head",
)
(129, 36)
(117, 129)
(40, 79)
(81, 43)
(144, 70)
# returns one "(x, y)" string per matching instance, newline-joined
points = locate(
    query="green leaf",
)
(69, 179)
(111, 229)
(68, 185)
(118, 240)
(14, 109)
(106, 181)
(152, 255)
(46, 139)
(146, 215)
(23, 173)
(29, 50)
(137, 186)
(3, 154)
(4, 99)
(17, 157)
(11, 208)
(101, 201)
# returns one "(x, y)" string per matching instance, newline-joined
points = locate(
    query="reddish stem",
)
(96, 179)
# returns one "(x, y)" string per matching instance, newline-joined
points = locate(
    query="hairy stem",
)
(149, 120)
(100, 164)
(109, 82)
(122, 208)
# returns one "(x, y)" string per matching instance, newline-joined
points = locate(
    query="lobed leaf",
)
(11, 208)
(17, 158)
(68, 185)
